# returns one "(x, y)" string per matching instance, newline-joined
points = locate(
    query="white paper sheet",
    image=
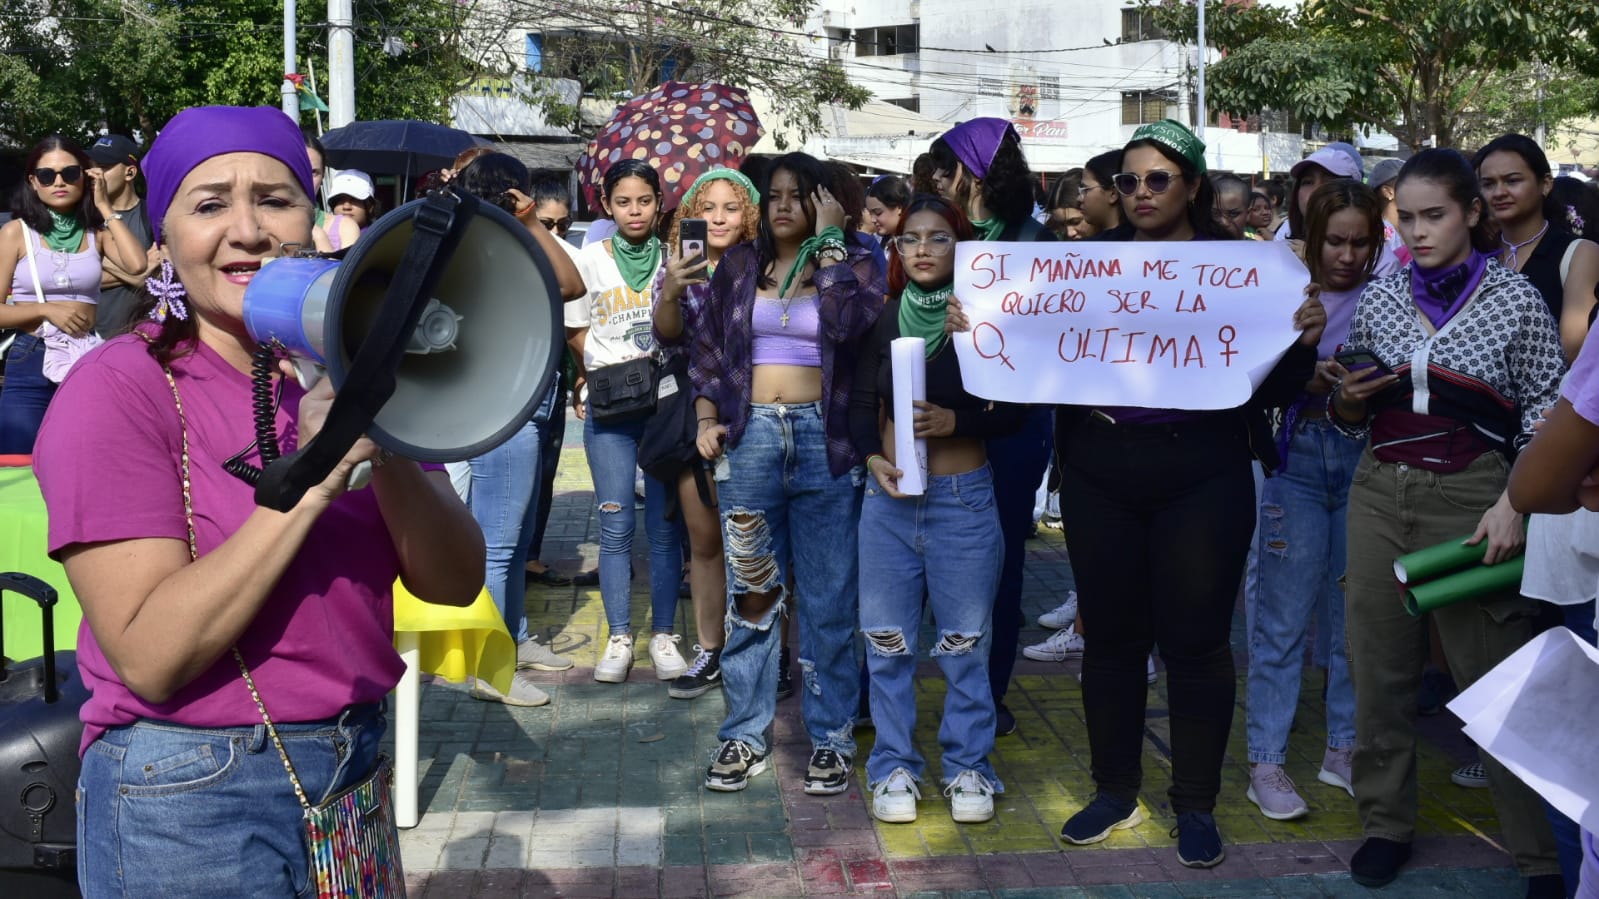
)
(1534, 713)
(909, 358)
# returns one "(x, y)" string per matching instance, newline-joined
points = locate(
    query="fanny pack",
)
(624, 391)
(1430, 442)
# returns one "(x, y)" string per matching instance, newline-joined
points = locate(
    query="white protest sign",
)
(1167, 325)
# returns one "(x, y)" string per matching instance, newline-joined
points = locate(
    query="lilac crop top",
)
(799, 343)
(63, 276)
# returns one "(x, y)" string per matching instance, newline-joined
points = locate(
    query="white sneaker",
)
(1061, 645)
(1062, 616)
(1151, 676)
(524, 693)
(613, 667)
(894, 798)
(664, 656)
(1271, 789)
(971, 798)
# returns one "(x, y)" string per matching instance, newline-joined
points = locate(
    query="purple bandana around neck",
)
(1441, 292)
(976, 141)
(201, 132)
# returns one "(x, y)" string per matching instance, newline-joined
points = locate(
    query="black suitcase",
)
(39, 735)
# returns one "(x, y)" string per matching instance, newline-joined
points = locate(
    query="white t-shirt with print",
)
(617, 316)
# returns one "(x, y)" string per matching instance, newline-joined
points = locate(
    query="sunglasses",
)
(556, 226)
(1157, 181)
(938, 244)
(47, 177)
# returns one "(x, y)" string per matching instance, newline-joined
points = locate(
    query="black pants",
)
(1158, 521)
(1019, 462)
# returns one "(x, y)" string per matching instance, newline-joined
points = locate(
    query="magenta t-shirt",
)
(108, 459)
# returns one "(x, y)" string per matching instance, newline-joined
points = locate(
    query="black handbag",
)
(624, 391)
(668, 447)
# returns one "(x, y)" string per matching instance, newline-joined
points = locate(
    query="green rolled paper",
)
(1434, 561)
(1470, 583)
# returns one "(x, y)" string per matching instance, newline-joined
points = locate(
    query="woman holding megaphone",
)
(1474, 356)
(205, 614)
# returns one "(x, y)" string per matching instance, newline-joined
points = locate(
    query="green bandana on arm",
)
(989, 229)
(637, 261)
(65, 234)
(921, 314)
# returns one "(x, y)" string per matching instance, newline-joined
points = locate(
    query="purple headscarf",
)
(201, 132)
(975, 142)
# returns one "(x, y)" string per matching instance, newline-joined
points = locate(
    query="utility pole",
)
(1200, 115)
(291, 99)
(341, 63)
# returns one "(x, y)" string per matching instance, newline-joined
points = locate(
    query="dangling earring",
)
(169, 293)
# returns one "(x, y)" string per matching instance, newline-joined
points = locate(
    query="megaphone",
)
(440, 329)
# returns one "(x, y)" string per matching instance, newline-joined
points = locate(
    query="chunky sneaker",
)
(664, 656)
(613, 666)
(1271, 789)
(894, 798)
(1338, 769)
(704, 674)
(733, 767)
(828, 773)
(1472, 776)
(785, 675)
(533, 654)
(524, 692)
(1061, 616)
(1099, 818)
(971, 798)
(1198, 840)
(1060, 646)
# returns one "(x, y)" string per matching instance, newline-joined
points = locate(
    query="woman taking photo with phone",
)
(1475, 359)
(772, 363)
(611, 329)
(1158, 523)
(726, 208)
(943, 543)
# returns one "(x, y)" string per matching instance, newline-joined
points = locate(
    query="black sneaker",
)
(702, 675)
(785, 676)
(828, 773)
(1004, 721)
(1377, 862)
(735, 764)
(1099, 818)
(1198, 840)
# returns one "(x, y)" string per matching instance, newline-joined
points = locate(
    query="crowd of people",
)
(1472, 281)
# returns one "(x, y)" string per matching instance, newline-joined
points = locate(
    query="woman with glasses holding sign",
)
(1158, 523)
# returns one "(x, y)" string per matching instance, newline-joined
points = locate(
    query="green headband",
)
(1175, 136)
(733, 175)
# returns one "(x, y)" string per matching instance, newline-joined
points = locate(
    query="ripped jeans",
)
(781, 504)
(1301, 545)
(948, 543)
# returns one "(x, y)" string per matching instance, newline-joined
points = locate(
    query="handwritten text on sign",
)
(1171, 325)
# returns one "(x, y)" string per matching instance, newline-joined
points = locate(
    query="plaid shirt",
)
(720, 358)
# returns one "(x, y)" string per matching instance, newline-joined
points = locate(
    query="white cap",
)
(352, 183)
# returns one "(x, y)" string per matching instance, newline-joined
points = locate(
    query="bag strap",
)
(194, 555)
(33, 267)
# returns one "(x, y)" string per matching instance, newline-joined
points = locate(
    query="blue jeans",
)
(946, 542)
(782, 507)
(1019, 463)
(505, 502)
(1301, 543)
(168, 810)
(612, 451)
(24, 397)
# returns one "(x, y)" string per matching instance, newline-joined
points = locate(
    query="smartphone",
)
(691, 239)
(1356, 358)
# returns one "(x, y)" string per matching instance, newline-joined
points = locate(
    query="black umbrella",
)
(396, 147)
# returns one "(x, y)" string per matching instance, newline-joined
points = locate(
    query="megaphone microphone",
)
(440, 330)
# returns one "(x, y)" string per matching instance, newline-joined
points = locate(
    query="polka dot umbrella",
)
(681, 129)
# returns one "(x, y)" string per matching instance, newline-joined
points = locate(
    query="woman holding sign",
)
(1158, 526)
(1474, 357)
(945, 539)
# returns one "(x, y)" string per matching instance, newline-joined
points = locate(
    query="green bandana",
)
(921, 314)
(830, 234)
(65, 234)
(733, 175)
(988, 229)
(1174, 135)
(637, 261)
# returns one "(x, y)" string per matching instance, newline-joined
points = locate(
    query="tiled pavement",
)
(599, 793)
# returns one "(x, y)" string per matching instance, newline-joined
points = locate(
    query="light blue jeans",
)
(612, 451)
(782, 507)
(946, 543)
(168, 810)
(504, 500)
(1301, 544)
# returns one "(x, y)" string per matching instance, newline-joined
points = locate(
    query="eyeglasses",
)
(1157, 181)
(1083, 191)
(556, 226)
(936, 244)
(47, 177)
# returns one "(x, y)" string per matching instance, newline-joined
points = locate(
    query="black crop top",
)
(874, 381)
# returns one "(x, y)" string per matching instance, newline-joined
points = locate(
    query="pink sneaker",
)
(1338, 769)
(1272, 790)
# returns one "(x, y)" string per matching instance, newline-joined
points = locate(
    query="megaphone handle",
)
(360, 475)
(307, 372)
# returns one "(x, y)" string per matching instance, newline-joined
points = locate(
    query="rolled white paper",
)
(909, 356)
